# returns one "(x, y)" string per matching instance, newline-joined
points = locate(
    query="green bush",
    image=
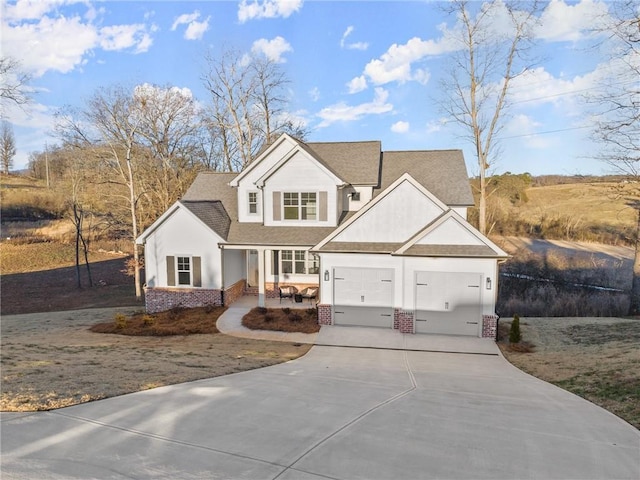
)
(514, 332)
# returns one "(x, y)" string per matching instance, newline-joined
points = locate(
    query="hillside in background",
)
(591, 209)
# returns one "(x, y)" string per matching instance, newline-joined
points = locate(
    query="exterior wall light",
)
(488, 283)
(326, 275)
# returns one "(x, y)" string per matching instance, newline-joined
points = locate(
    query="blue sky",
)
(361, 70)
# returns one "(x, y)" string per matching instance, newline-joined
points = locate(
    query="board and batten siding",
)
(183, 235)
(301, 174)
(395, 218)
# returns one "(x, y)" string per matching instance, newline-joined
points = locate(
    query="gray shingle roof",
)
(442, 172)
(357, 163)
(212, 213)
(360, 163)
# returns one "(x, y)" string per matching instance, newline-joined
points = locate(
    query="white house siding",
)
(395, 218)
(247, 183)
(234, 266)
(462, 211)
(182, 234)
(450, 232)
(301, 174)
(350, 205)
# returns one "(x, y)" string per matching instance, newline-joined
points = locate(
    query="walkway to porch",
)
(230, 322)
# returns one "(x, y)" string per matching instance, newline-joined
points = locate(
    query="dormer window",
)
(253, 203)
(355, 196)
(300, 205)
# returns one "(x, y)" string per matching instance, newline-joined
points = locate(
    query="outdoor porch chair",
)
(310, 292)
(287, 292)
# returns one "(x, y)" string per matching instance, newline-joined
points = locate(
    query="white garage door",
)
(448, 303)
(363, 296)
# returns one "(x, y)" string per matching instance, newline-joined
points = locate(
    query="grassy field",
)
(589, 203)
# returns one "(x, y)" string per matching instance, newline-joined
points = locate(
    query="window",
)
(355, 196)
(300, 206)
(253, 203)
(184, 270)
(299, 262)
(291, 206)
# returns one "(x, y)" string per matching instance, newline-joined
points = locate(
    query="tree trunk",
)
(134, 224)
(634, 307)
(77, 221)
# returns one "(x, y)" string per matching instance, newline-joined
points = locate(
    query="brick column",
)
(489, 326)
(324, 315)
(404, 320)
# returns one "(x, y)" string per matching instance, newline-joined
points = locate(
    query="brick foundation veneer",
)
(489, 326)
(234, 292)
(404, 320)
(162, 299)
(324, 315)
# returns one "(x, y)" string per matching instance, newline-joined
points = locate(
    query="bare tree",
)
(109, 126)
(246, 109)
(489, 53)
(7, 146)
(617, 112)
(168, 130)
(13, 83)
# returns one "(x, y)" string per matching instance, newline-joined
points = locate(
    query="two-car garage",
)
(447, 303)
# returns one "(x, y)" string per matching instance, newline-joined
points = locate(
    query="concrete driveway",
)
(342, 413)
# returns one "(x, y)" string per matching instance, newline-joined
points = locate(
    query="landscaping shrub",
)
(294, 317)
(120, 320)
(514, 332)
(286, 310)
(268, 317)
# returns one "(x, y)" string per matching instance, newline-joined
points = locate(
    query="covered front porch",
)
(250, 301)
(266, 270)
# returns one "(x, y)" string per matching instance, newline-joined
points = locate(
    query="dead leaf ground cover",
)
(595, 358)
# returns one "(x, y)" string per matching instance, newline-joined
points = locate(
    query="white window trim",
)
(300, 219)
(178, 284)
(308, 262)
(257, 203)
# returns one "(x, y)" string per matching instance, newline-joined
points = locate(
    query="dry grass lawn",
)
(595, 358)
(53, 360)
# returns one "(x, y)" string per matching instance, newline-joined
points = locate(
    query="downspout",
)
(221, 247)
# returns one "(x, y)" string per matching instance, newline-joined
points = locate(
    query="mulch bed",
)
(177, 321)
(282, 319)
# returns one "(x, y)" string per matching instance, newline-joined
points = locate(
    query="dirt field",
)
(596, 358)
(51, 360)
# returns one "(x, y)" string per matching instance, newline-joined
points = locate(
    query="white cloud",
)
(434, 126)
(122, 37)
(272, 49)
(395, 65)
(352, 46)
(185, 19)
(249, 10)
(341, 112)
(45, 39)
(195, 29)
(400, 127)
(524, 126)
(314, 93)
(562, 22)
(357, 84)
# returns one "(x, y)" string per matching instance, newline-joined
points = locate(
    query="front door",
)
(252, 268)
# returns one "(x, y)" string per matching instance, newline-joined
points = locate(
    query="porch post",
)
(261, 278)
